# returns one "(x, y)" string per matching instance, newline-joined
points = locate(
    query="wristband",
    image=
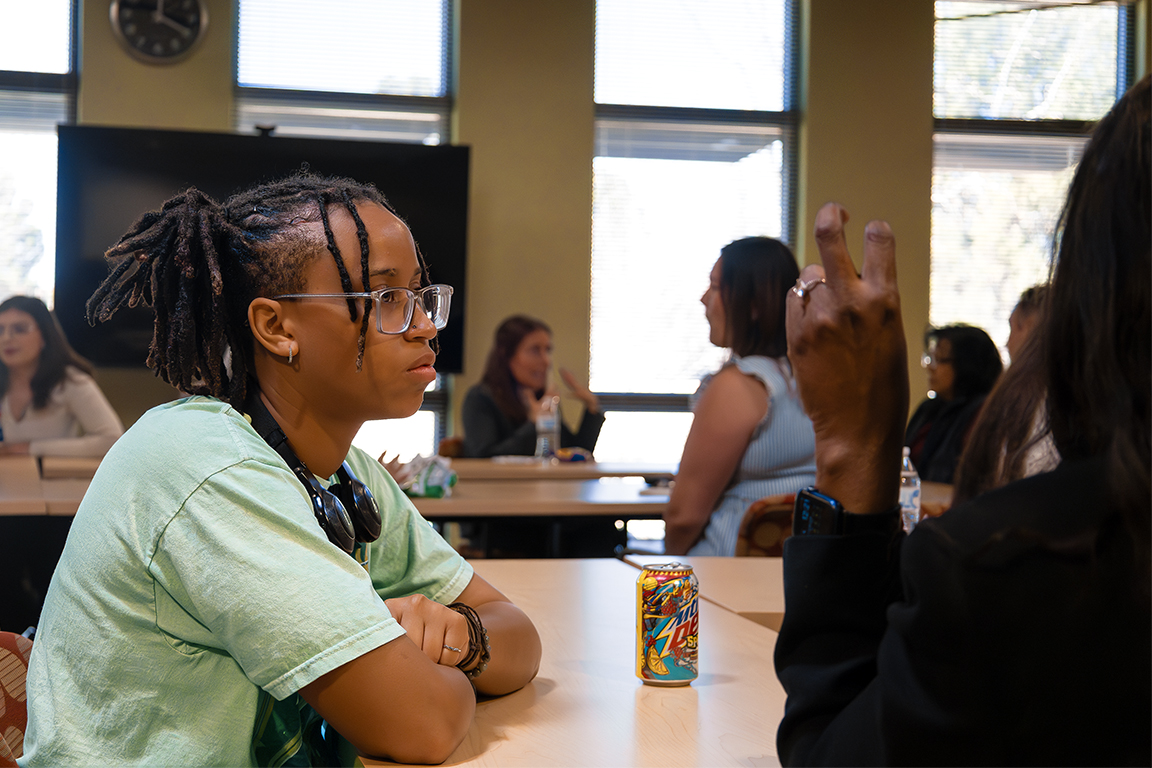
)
(478, 646)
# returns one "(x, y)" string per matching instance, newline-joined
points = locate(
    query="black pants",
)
(30, 547)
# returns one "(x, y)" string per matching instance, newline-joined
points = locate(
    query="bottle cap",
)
(907, 451)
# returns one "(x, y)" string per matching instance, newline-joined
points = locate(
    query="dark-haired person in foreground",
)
(213, 605)
(1014, 630)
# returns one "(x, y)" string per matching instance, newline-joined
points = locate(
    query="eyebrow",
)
(392, 272)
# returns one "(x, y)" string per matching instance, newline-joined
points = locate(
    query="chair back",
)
(451, 447)
(15, 651)
(766, 524)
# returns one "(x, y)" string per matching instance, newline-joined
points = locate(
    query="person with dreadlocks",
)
(199, 614)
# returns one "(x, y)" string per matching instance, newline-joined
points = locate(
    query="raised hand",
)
(847, 349)
(580, 391)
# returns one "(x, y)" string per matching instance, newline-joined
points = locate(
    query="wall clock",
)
(159, 31)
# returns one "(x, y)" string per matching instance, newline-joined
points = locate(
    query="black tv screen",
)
(107, 177)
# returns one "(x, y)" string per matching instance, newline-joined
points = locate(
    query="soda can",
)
(667, 624)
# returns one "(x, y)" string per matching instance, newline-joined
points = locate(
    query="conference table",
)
(546, 498)
(586, 706)
(24, 491)
(531, 468)
(752, 587)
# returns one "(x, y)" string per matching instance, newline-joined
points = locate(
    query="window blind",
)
(347, 46)
(36, 37)
(694, 148)
(36, 94)
(723, 54)
(346, 69)
(1009, 80)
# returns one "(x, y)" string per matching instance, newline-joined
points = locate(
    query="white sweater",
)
(77, 420)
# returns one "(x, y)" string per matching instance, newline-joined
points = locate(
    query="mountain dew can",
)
(667, 624)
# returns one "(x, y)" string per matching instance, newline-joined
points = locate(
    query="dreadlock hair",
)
(199, 264)
(55, 358)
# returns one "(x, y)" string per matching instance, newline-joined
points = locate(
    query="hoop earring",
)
(291, 353)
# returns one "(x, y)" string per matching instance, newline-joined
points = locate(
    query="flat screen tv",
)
(109, 176)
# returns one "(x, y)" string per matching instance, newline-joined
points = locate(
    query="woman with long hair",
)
(241, 585)
(500, 412)
(1015, 629)
(749, 437)
(49, 403)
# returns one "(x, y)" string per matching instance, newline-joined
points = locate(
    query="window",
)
(694, 149)
(37, 89)
(356, 69)
(1016, 88)
(352, 69)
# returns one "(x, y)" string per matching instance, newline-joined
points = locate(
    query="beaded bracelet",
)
(478, 646)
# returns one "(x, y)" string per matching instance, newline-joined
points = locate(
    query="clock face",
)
(159, 31)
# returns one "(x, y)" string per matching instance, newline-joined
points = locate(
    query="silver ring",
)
(802, 289)
(457, 650)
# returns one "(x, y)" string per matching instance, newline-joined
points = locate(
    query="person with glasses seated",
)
(963, 364)
(241, 586)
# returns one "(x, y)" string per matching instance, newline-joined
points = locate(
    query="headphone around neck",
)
(330, 506)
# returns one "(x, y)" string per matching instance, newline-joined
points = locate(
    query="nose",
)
(422, 326)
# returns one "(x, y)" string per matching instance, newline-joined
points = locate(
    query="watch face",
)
(159, 31)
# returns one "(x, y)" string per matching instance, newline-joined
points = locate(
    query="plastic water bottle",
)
(909, 493)
(548, 428)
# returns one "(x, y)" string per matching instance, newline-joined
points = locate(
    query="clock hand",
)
(158, 14)
(174, 25)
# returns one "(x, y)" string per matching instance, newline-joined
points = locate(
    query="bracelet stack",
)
(478, 646)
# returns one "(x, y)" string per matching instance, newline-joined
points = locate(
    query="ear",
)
(269, 327)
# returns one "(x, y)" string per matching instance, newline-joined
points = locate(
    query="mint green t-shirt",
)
(195, 576)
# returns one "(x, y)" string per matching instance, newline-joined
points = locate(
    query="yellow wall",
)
(524, 105)
(866, 137)
(193, 94)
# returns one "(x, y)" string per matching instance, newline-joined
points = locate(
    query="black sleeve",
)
(589, 433)
(879, 671)
(488, 432)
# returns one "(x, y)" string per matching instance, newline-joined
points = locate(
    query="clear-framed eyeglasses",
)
(395, 306)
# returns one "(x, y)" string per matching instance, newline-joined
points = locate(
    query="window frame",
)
(64, 84)
(1045, 128)
(786, 121)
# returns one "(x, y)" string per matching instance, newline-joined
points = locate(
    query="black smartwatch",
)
(816, 514)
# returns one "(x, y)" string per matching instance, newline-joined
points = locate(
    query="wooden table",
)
(79, 467)
(20, 489)
(545, 498)
(587, 708)
(528, 468)
(750, 586)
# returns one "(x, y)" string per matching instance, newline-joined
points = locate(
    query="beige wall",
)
(866, 137)
(524, 105)
(192, 94)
